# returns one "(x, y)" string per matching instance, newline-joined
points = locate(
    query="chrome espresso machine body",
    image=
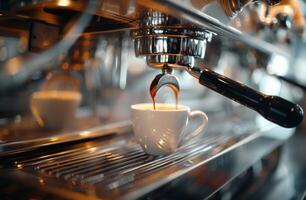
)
(115, 53)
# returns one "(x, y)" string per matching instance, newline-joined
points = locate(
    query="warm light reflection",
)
(41, 181)
(92, 149)
(19, 166)
(161, 144)
(88, 146)
(84, 133)
(114, 156)
(13, 66)
(216, 150)
(53, 139)
(238, 23)
(63, 2)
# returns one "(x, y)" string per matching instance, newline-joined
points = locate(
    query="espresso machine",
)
(228, 58)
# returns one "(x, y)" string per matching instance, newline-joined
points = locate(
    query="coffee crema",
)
(160, 107)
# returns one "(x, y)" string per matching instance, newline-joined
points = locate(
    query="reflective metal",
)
(173, 61)
(166, 40)
(184, 10)
(118, 168)
(110, 9)
(22, 145)
(167, 44)
(232, 7)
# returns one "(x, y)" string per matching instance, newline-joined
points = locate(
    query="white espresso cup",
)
(163, 130)
(55, 109)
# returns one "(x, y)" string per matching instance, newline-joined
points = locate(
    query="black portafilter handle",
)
(292, 81)
(273, 108)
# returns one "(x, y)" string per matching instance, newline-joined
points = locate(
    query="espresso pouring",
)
(153, 93)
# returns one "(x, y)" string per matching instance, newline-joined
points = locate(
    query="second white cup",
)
(55, 109)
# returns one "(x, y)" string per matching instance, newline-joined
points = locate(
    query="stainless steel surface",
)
(185, 10)
(22, 145)
(27, 64)
(125, 12)
(193, 71)
(166, 40)
(288, 180)
(118, 11)
(231, 7)
(117, 168)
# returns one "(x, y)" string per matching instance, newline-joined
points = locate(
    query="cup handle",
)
(36, 114)
(196, 132)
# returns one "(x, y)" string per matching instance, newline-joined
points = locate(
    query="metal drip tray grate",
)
(111, 166)
(114, 166)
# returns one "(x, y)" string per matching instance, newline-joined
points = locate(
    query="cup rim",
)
(73, 95)
(140, 106)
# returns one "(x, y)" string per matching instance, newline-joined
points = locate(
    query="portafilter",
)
(169, 43)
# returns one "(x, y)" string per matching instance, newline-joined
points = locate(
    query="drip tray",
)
(117, 163)
(107, 163)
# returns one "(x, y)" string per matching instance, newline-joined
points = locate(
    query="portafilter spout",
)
(164, 79)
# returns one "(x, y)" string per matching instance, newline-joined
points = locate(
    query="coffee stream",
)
(153, 93)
